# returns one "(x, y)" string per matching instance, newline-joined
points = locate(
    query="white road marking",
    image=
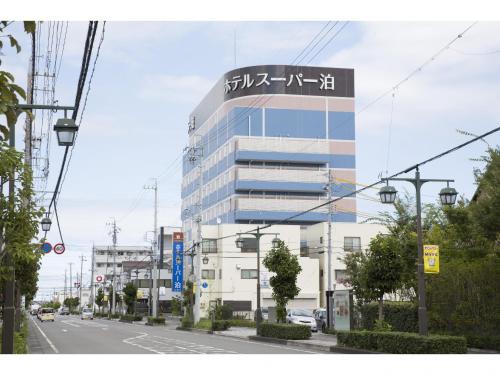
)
(126, 341)
(70, 324)
(65, 330)
(46, 338)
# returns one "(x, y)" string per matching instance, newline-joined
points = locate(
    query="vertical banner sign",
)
(431, 259)
(177, 261)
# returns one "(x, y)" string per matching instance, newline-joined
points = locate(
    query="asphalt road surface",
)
(70, 335)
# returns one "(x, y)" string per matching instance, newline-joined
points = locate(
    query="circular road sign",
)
(46, 247)
(205, 285)
(59, 248)
(98, 278)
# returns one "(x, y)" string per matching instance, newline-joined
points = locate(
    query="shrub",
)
(204, 324)
(285, 331)
(402, 342)
(242, 323)
(401, 316)
(382, 326)
(153, 320)
(220, 325)
(114, 316)
(127, 318)
(483, 342)
(186, 321)
(223, 312)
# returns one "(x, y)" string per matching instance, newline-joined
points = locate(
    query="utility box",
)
(272, 318)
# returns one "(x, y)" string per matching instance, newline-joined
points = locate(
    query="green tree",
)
(130, 296)
(377, 272)
(99, 299)
(188, 302)
(110, 298)
(71, 303)
(284, 283)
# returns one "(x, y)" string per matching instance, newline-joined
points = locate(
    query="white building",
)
(229, 274)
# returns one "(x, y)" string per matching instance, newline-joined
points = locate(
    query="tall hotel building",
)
(264, 138)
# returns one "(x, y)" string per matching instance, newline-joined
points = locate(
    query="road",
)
(70, 335)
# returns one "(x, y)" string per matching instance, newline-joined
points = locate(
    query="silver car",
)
(303, 317)
(87, 314)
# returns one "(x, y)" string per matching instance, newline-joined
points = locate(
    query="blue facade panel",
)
(295, 123)
(336, 161)
(282, 215)
(341, 125)
(280, 186)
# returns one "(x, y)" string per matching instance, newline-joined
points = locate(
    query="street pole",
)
(70, 281)
(9, 285)
(422, 308)
(113, 299)
(65, 279)
(259, 315)
(82, 259)
(155, 274)
(92, 295)
(329, 288)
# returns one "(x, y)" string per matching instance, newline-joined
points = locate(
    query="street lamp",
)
(239, 244)
(276, 242)
(448, 196)
(66, 130)
(205, 260)
(46, 223)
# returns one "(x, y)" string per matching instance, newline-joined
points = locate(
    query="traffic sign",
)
(59, 248)
(46, 247)
(205, 285)
(99, 278)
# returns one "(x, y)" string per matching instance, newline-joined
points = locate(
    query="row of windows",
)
(245, 274)
(350, 243)
(123, 253)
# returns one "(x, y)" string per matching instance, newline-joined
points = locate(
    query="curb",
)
(194, 330)
(324, 348)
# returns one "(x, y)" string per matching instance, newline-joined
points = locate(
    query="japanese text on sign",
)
(431, 259)
(177, 262)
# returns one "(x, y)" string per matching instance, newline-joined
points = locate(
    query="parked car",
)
(87, 313)
(34, 309)
(265, 314)
(46, 313)
(64, 311)
(303, 317)
(320, 317)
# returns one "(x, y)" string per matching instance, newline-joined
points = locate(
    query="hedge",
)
(153, 320)
(402, 316)
(131, 318)
(242, 323)
(402, 342)
(220, 325)
(285, 331)
(483, 342)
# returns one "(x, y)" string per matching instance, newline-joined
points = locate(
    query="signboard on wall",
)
(177, 262)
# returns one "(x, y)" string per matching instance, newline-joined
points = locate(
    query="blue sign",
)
(46, 248)
(177, 264)
(205, 285)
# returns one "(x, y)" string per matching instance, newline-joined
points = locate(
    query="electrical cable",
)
(328, 42)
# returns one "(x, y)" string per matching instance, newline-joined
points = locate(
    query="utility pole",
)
(195, 156)
(329, 292)
(70, 281)
(92, 280)
(156, 273)
(82, 259)
(65, 281)
(114, 231)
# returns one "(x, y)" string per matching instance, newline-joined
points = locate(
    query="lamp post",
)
(448, 197)
(66, 129)
(239, 244)
(46, 223)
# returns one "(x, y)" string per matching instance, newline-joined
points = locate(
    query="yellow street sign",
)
(140, 295)
(431, 259)
(105, 299)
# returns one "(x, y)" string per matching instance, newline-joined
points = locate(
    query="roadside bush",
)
(242, 323)
(204, 323)
(114, 316)
(401, 316)
(127, 318)
(223, 312)
(220, 325)
(187, 321)
(402, 342)
(483, 342)
(285, 331)
(152, 320)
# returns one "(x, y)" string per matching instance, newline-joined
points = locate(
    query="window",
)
(321, 239)
(208, 274)
(220, 273)
(352, 244)
(304, 251)
(209, 246)
(120, 253)
(249, 245)
(248, 274)
(340, 276)
(167, 283)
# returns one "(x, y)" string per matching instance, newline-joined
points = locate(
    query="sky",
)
(150, 75)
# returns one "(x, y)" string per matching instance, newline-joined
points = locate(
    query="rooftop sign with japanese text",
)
(289, 80)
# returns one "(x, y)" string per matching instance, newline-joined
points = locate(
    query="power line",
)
(329, 40)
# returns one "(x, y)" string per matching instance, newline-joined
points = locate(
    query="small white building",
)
(229, 274)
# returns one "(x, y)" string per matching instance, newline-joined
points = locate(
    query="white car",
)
(87, 314)
(302, 317)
